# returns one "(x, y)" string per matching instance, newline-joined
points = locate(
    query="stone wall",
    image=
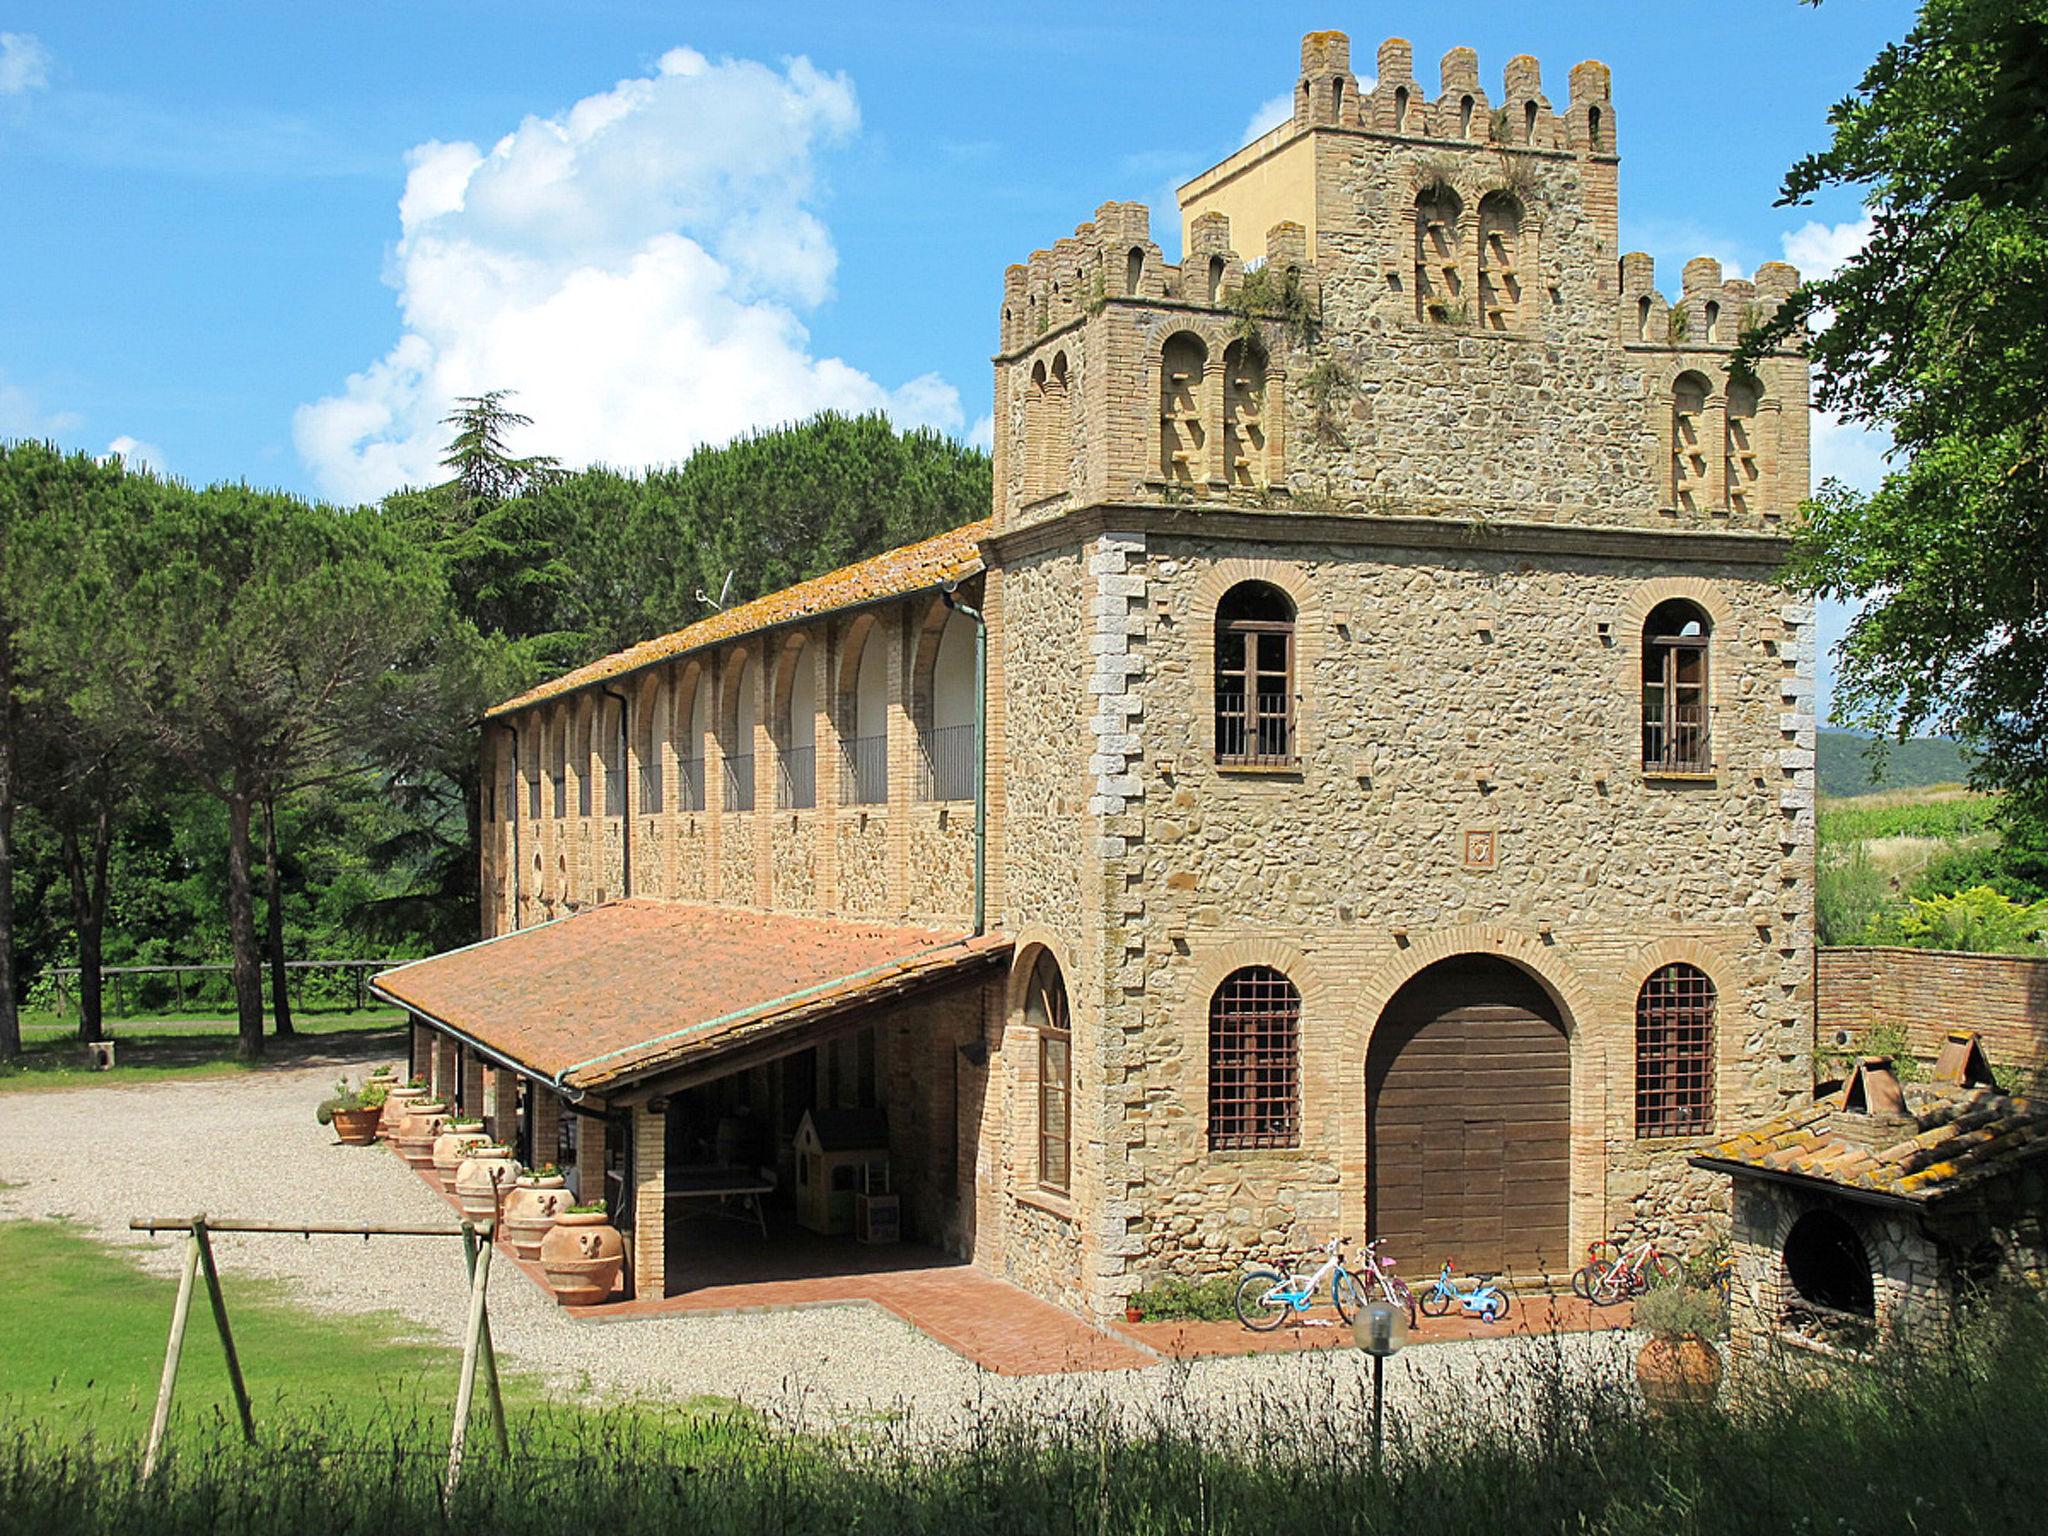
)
(1926, 993)
(792, 860)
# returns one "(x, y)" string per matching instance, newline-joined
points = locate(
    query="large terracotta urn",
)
(423, 1122)
(581, 1256)
(396, 1103)
(1677, 1372)
(486, 1169)
(532, 1207)
(356, 1127)
(456, 1136)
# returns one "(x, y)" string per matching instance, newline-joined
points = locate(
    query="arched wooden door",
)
(1468, 1122)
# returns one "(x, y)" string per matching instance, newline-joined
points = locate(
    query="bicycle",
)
(1612, 1273)
(1487, 1301)
(1265, 1297)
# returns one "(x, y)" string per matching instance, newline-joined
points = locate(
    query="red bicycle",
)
(1613, 1273)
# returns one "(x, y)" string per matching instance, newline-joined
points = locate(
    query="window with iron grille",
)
(1254, 1061)
(1255, 677)
(1675, 1053)
(1045, 1010)
(1675, 690)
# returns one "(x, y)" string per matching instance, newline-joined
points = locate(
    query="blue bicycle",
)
(1485, 1300)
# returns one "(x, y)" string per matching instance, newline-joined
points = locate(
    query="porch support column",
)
(422, 1051)
(444, 1070)
(650, 1187)
(589, 1158)
(546, 1110)
(473, 1085)
(503, 1107)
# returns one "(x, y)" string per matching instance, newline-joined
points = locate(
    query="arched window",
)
(1244, 414)
(1688, 452)
(1500, 260)
(1254, 1061)
(535, 734)
(1216, 270)
(796, 730)
(580, 726)
(690, 771)
(1593, 129)
(1255, 677)
(1713, 321)
(742, 713)
(652, 736)
(1675, 1053)
(1400, 108)
(1134, 270)
(1742, 470)
(949, 742)
(1439, 256)
(558, 765)
(1642, 319)
(1047, 1015)
(1055, 431)
(1528, 122)
(1675, 701)
(867, 746)
(1034, 432)
(1828, 1265)
(1465, 117)
(1183, 441)
(611, 749)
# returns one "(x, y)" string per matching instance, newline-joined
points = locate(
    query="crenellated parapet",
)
(1731, 442)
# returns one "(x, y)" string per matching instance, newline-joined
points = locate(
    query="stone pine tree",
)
(1937, 332)
(254, 636)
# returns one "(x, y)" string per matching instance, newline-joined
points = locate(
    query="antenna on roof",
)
(717, 603)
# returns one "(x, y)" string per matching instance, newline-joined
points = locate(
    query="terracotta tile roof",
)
(1949, 1139)
(635, 987)
(952, 555)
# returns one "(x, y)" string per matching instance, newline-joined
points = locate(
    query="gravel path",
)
(248, 1146)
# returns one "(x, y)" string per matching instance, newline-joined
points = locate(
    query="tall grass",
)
(1950, 1441)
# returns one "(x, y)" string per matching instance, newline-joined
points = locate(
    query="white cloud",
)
(21, 416)
(635, 267)
(24, 64)
(1269, 115)
(136, 453)
(984, 435)
(1674, 242)
(1819, 250)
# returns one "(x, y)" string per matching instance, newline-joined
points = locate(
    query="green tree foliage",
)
(1979, 919)
(1937, 332)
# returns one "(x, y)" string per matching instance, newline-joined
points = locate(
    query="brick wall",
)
(1927, 992)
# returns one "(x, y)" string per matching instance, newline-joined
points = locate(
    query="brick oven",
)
(1878, 1207)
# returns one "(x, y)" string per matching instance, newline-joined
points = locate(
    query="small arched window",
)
(1465, 118)
(949, 765)
(1255, 1061)
(1713, 321)
(1528, 122)
(558, 765)
(1593, 129)
(1642, 319)
(867, 712)
(1047, 1015)
(1244, 414)
(651, 741)
(1675, 1053)
(1742, 470)
(1255, 677)
(1183, 442)
(1675, 701)
(1400, 108)
(582, 723)
(1439, 256)
(796, 730)
(1688, 450)
(1216, 270)
(742, 715)
(1500, 261)
(690, 768)
(1134, 270)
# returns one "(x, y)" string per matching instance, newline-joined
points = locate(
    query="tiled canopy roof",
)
(634, 988)
(953, 555)
(1949, 1139)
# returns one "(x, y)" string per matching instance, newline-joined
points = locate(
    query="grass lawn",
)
(191, 1045)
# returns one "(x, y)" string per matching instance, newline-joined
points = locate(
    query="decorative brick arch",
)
(1023, 956)
(1544, 964)
(789, 655)
(1711, 601)
(1213, 966)
(1716, 963)
(1708, 597)
(861, 630)
(1309, 628)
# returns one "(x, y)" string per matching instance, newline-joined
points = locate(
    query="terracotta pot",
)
(1133, 1315)
(448, 1149)
(396, 1103)
(1683, 1372)
(532, 1207)
(485, 1170)
(582, 1255)
(423, 1122)
(357, 1127)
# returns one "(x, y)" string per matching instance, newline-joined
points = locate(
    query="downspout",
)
(949, 591)
(513, 731)
(625, 793)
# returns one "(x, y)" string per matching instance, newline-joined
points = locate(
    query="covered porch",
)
(758, 1099)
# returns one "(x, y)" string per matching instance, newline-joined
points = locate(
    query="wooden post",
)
(161, 1420)
(472, 1345)
(220, 1321)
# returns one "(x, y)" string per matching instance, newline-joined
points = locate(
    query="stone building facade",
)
(1396, 746)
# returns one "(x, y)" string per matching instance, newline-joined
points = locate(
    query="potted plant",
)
(353, 1112)
(484, 1170)
(398, 1102)
(415, 1139)
(537, 1198)
(582, 1255)
(1679, 1366)
(457, 1134)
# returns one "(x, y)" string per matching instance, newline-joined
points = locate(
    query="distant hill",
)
(1844, 770)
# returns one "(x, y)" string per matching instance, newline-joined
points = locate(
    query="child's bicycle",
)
(1485, 1300)
(1265, 1298)
(1612, 1273)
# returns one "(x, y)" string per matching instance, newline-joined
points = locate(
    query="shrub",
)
(347, 1096)
(1675, 1311)
(1200, 1301)
(1980, 919)
(1850, 895)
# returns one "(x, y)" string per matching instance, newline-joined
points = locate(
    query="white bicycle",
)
(1266, 1298)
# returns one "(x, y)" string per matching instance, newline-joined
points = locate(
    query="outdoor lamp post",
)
(1380, 1330)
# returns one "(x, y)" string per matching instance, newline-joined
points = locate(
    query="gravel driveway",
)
(248, 1146)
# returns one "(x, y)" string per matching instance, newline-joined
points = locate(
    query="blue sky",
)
(269, 242)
